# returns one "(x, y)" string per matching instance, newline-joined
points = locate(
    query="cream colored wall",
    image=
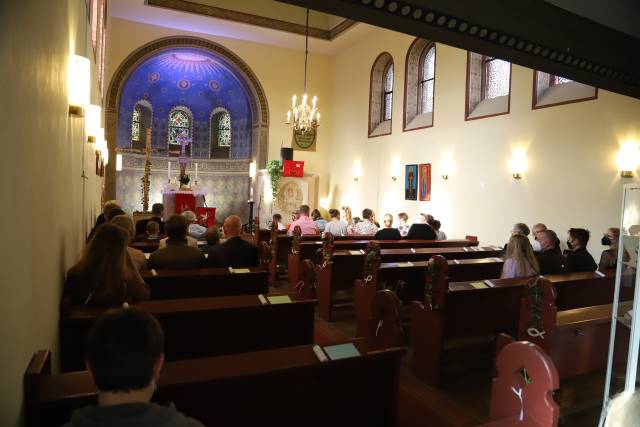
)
(571, 178)
(279, 70)
(47, 206)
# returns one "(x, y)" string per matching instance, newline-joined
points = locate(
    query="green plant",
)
(184, 179)
(273, 169)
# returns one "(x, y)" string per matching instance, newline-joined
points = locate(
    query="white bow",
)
(535, 333)
(518, 394)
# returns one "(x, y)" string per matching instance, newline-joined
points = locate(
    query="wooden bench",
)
(204, 327)
(522, 391)
(205, 282)
(277, 387)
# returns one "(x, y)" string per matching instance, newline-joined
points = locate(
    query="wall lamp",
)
(356, 171)
(628, 158)
(92, 122)
(78, 84)
(518, 163)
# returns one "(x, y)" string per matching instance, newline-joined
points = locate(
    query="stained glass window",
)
(426, 83)
(179, 121)
(135, 124)
(224, 130)
(496, 78)
(388, 93)
(557, 80)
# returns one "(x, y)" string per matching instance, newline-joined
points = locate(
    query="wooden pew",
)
(205, 282)
(246, 389)
(336, 275)
(537, 407)
(203, 327)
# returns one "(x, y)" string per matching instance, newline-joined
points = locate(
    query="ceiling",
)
(621, 15)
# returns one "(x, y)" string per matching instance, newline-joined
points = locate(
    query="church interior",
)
(480, 116)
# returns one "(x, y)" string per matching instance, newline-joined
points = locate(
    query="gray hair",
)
(520, 228)
(190, 217)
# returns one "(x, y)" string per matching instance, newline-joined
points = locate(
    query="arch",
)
(419, 89)
(258, 99)
(216, 151)
(380, 96)
(142, 118)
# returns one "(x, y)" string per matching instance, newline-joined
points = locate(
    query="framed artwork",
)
(304, 141)
(424, 180)
(411, 182)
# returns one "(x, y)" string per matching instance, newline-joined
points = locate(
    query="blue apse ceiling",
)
(192, 77)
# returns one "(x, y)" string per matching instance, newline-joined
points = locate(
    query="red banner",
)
(206, 216)
(293, 168)
(185, 202)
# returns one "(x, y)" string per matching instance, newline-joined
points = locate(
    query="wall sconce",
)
(105, 154)
(92, 122)
(447, 165)
(78, 84)
(356, 171)
(101, 144)
(118, 162)
(395, 169)
(518, 163)
(628, 158)
(252, 170)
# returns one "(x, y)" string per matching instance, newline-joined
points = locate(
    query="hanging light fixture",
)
(306, 118)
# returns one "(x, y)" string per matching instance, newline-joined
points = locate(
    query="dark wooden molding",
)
(429, 45)
(534, 96)
(251, 19)
(533, 34)
(466, 94)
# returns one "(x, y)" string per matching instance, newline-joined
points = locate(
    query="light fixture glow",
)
(324, 203)
(101, 144)
(118, 162)
(394, 169)
(628, 158)
(105, 154)
(252, 170)
(518, 163)
(78, 84)
(356, 171)
(447, 165)
(92, 122)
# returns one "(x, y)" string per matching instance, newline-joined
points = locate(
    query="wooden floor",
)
(464, 401)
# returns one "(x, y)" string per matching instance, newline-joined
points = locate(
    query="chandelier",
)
(306, 118)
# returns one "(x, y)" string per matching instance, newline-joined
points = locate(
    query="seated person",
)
(624, 410)
(520, 260)
(550, 259)
(609, 257)
(177, 254)
(578, 259)
(403, 226)
(306, 224)
(195, 230)
(105, 275)
(153, 231)
(435, 224)
(157, 211)
(535, 231)
(124, 354)
(335, 226)
(137, 256)
(102, 218)
(113, 213)
(321, 223)
(235, 252)
(277, 219)
(365, 227)
(373, 219)
(212, 237)
(422, 230)
(518, 228)
(387, 233)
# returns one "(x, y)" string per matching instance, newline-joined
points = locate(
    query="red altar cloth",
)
(206, 216)
(185, 202)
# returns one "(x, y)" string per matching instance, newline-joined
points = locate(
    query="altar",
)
(175, 202)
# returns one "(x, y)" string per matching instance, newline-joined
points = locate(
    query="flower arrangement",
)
(184, 180)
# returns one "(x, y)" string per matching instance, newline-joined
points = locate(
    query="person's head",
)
(436, 225)
(520, 228)
(212, 235)
(403, 217)
(536, 229)
(232, 226)
(611, 237)
(124, 351)
(153, 228)
(315, 214)
(548, 239)
(334, 214)
(126, 223)
(388, 220)
(157, 209)
(304, 210)
(176, 227)
(113, 212)
(521, 251)
(367, 214)
(277, 218)
(624, 410)
(356, 220)
(577, 238)
(190, 216)
(346, 210)
(425, 218)
(108, 205)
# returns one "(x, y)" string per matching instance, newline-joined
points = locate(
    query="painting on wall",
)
(424, 178)
(411, 182)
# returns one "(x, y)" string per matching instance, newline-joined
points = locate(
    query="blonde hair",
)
(624, 410)
(520, 250)
(126, 223)
(347, 214)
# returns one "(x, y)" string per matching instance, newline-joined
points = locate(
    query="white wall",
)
(571, 180)
(46, 206)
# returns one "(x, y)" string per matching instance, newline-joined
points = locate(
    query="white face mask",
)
(537, 247)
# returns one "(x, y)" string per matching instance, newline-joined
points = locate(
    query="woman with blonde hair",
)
(519, 261)
(137, 256)
(105, 275)
(347, 218)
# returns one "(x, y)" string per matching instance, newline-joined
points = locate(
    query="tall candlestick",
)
(169, 171)
(196, 172)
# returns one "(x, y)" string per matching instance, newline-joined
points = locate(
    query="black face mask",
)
(606, 241)
(569, 244)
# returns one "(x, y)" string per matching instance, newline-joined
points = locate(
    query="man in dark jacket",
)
(235, 252)
(125, 356)
(177, 254)
(157, 210)
(422, 231)
(387, 232)
(578, 259)
(549, 257)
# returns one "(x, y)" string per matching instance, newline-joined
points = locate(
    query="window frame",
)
(383, 109)
(136, 109)
(189, 114)
(534, 93)
(468, 112)
(422, 80)
(374, 86)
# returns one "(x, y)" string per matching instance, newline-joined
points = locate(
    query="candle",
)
(169, 171)
(289, 117)
(315, 98)
(318, 119)
(304, 99)
(293, 101)
(196, 172)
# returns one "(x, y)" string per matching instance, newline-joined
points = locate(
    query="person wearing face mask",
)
(549, 257)
(609, 257)
(578, 259)
(535, 230)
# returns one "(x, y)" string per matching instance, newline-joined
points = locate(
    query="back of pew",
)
(203, 327)
(247, 389)
(205, 282)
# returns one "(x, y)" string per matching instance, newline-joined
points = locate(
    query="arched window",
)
(381, 96)
(180, 121)
(220, 134)
(552, 90)
(135, 124)
(420, 78)
(140, 122)
(488, 86)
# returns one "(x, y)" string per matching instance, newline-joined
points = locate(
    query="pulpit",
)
(175, 202)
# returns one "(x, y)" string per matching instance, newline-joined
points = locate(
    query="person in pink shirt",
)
(306, 224)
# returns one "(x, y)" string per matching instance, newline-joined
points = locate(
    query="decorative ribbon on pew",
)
(380, 323)
(368, 278)
(432, 279)
(535, 333)
(534, 326)
(519, 393)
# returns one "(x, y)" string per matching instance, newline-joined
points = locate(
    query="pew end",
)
(39, 365)
(385, 324)
(306, 286)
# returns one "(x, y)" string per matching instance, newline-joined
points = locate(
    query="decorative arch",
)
(419, 85)
(258, 99)
(380, 96)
